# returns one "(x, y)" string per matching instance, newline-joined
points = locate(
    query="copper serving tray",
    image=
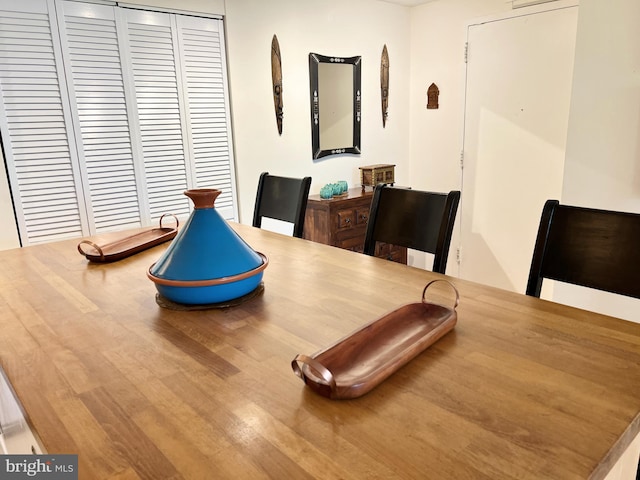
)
(130, 245)
(357, 363)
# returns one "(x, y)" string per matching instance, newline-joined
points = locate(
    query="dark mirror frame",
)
(314, 60)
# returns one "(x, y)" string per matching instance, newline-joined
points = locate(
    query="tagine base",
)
(171, 305)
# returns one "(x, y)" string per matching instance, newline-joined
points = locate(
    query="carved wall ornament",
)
(432, 96)
(384, 84)
(276, 78)
(315, 110)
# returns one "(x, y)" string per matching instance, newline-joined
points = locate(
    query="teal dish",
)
(326, 192)
(207, 262)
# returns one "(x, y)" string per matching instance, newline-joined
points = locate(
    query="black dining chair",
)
(588, 247)
(282, 198)
(413, 219)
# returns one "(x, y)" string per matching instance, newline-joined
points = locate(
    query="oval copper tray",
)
(360, 361)
(127, 246)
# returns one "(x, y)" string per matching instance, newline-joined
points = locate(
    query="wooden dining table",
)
(521, 388)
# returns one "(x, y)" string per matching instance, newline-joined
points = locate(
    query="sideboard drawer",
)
(391, 252)
(362, 216)
(346, 219)
(349, 242)
(342, 222)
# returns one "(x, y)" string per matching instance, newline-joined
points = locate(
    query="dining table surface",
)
(520, 388)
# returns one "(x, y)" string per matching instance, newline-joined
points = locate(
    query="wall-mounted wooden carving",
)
(276, 78)
(432, 96)
(384, 84)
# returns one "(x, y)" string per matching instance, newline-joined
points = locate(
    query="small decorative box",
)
(372, 175)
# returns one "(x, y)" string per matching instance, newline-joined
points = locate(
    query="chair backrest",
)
(413, 219)
(588, 247)
(282, 198)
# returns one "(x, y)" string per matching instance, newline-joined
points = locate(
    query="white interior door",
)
(519, 77)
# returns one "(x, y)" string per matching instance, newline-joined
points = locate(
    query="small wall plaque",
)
(432, 96)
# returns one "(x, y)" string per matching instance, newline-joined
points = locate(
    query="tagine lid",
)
(206, 247)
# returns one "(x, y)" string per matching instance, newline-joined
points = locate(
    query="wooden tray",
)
(130, 245)
(360, 361)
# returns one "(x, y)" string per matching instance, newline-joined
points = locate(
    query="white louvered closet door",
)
(204, 70)
(150, 51)
(179, 73)
(101, 116)
(36, 127)
(108, 114)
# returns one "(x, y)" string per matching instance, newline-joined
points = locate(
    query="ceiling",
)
(408, 3)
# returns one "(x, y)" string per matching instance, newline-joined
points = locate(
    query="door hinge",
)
(462, 159)
(458, 255)
(466, 52)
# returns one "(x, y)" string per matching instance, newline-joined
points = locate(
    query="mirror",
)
(335, 104)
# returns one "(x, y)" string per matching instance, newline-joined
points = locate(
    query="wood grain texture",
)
(521, 388)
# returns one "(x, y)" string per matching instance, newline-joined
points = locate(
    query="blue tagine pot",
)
(207, 262)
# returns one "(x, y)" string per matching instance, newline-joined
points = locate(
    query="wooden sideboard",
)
(342, 222)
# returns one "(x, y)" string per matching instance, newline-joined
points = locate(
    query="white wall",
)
(438, 36)
(328, 27)
(602, 167)
(425, 45)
